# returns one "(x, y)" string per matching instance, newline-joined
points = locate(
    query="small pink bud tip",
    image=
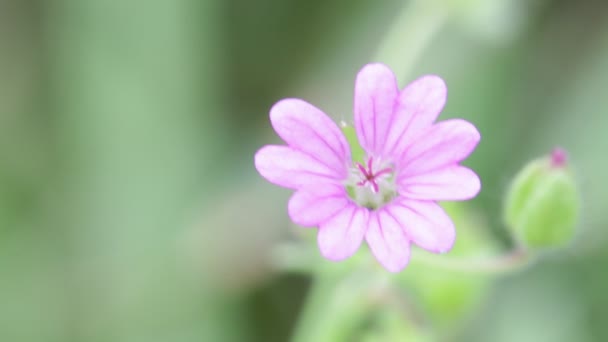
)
(558, 157)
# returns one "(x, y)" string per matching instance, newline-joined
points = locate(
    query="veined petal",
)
(291, 168)
(452, 183)
(376, 95)
(306, 128)
(340, 236)
(419, 104)
(312, 206)
(387, 241)
(425, 223)
(445, 143)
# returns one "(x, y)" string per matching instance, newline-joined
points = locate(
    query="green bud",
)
(543, 203)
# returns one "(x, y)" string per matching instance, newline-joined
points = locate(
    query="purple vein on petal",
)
(380, 230)
(317, 159)
(436, 150)
(415, 113)
(465, 139)
(399, 223)
(322, 139)
(302, 202)
(318, 199)
(339, 211)
(389, 125)
(350, 221)
(374, 119)
(360, 128)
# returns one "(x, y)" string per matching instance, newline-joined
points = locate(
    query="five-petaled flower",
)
(391, 199)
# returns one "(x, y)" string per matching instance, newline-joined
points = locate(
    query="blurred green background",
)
(129, 206)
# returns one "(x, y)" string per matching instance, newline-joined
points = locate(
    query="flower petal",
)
(419, 105)
(311, 206)
(386, 239)
(291, 168)
(306, 128)
(340, 236)
(375, 101)
(452, 183)
(425, 223)
(443, 144)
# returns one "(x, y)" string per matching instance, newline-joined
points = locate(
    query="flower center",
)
(371, 185)
(369, 176)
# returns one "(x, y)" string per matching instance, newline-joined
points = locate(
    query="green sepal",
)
(356, 151)
(542, 206)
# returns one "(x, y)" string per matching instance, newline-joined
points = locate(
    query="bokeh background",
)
(130, 209)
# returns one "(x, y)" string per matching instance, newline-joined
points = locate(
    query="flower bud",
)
(543, 203)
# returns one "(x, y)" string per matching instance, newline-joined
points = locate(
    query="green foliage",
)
(391, 324)
(447, 298)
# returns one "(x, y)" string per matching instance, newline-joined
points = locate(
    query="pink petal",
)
(340, 236)
(306, 128)
(291, 168)
(442, 144)
(375, 101)
(386, 239)
(425, 223)
(310, 207)
(419, 105)
(452, 183)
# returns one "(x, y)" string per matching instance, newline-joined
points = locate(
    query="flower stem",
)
(513, 261)
(413, 30)
(302, 259)
(339, 301)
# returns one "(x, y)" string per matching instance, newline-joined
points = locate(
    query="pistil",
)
(369, 176)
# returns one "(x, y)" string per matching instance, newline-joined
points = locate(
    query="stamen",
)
(383, 171)
(374, 186)
(369, 176)
(363, 171)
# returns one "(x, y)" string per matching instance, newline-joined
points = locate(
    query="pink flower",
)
(391, 201)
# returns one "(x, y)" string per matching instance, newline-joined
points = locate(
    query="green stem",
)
(502, 264)
(342, 295)
(338, 303)
(302, 259)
